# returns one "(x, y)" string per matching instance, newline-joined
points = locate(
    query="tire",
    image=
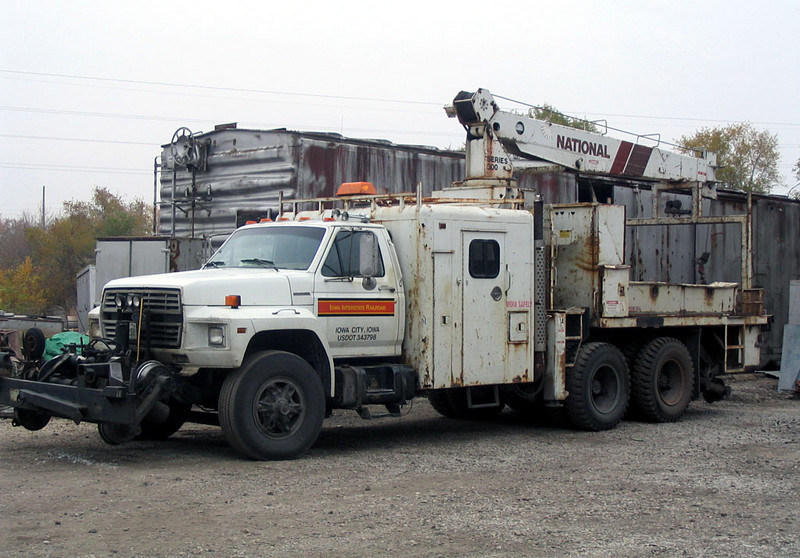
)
(525, 399)
(31, 420)
(598, 386)
(33, 343)
(441, 403)
(272, 407)
(115, 434)
(162, 430)
(630, 350)
(662, 381)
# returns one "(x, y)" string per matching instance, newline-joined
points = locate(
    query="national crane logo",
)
(582, 146)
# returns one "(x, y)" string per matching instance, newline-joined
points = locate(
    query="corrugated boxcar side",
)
(248, 168)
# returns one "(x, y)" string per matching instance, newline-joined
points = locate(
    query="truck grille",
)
(162, 315)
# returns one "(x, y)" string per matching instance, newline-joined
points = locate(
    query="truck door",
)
(357, 295)
(485, 279)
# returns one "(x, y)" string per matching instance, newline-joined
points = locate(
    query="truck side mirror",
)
(368, 255)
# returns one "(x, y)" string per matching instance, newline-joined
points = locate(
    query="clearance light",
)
(328, 219)
(283, 218)
(265, 220)
(250, 223)
(234, 301)
(304, 218)
(356, 189)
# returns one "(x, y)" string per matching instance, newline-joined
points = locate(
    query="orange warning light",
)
(356, 188)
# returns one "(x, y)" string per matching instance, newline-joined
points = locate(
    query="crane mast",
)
(493, 135)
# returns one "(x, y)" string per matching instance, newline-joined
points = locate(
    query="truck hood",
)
(208, 287)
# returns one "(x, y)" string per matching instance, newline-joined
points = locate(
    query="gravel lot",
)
(724, 481)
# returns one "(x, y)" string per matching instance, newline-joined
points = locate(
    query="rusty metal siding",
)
(776, 261)
(247, 169)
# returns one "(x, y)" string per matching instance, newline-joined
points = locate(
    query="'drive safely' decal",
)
(355, 307)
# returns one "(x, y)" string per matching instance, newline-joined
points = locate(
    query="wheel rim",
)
(279, 408)
(605, 389)
(670, 382)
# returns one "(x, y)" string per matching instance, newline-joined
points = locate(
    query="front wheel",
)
(598, 386)
(272, 407)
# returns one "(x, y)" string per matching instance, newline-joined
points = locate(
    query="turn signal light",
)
(234, 301)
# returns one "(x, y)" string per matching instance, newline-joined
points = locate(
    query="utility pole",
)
(43, 200)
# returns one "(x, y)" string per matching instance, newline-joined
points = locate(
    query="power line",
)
(355, 98)
(218, 88)
(652, 117)
(70, 168)
(20, 136)
(206, 121)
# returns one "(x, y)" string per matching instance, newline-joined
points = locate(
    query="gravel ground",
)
(724, 481)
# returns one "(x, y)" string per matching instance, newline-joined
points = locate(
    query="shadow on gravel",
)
(340, 434)
(430, 432)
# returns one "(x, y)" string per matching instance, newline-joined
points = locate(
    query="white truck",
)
(477, 297)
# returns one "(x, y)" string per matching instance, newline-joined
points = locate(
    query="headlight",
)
(119, 302)
(216, 336)
(94, 329)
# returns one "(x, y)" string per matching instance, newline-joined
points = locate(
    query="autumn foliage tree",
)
(21, 289)
(747, 157)
(47, 278)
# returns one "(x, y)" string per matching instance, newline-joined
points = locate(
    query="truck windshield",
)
(272, 247)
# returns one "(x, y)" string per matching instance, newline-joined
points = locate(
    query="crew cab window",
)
(345, 255)
(484, 259)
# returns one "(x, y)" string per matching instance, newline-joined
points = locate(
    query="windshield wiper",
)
(261, 262)
(215, 264)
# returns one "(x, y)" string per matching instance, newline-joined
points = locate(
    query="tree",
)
(67, 245)
(747, 158)
(111, 216)
(21, 289)
(551, 114)
(14, 246)
(794, 191)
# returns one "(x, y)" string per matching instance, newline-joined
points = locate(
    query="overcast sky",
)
(90, 90)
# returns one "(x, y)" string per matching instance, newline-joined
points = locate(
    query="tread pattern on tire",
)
(643, 389)
(228, 417)
(579, 408)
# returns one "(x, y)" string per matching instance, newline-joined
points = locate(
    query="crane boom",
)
(493, 134)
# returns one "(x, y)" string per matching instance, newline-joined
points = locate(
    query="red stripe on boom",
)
(621, 158)
(638, 161)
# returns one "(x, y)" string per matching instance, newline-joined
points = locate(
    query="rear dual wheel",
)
(662, 381)
(598, 386)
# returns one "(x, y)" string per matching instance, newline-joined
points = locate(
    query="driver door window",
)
(345, 255)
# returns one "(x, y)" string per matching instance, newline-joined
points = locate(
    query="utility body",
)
(477, 297)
